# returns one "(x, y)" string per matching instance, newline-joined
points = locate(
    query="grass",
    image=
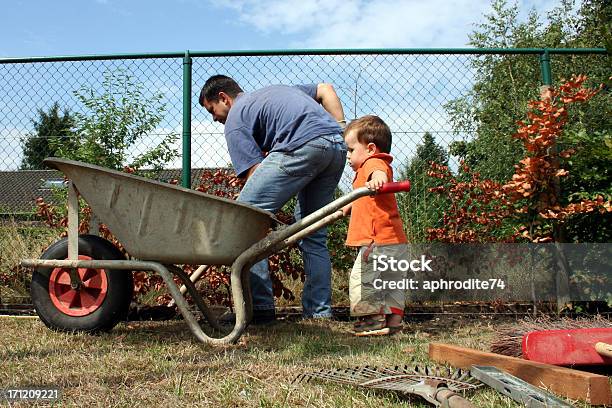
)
(16, 243)
(162, 364)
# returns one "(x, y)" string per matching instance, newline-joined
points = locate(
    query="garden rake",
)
(439, 386)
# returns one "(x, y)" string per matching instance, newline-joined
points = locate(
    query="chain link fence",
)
(46, 99)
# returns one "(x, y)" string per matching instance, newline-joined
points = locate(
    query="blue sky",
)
(75, 27)
(84, 27)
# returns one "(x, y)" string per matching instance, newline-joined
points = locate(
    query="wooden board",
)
(567, 347)
(573, 384)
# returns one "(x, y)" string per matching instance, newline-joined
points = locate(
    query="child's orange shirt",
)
(375, 218)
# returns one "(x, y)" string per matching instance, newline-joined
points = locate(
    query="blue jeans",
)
(312, 172)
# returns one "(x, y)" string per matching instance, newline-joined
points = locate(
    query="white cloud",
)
(542, 7)
(11, 152)
(208, 147)
(369, 23)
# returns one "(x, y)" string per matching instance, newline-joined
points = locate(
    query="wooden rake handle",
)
(448, 398)
(604, 349)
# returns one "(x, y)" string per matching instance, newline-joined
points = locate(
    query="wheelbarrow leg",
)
(241, 295)
(181, 302)
(197, 299)
(191, 320)
(246, 292)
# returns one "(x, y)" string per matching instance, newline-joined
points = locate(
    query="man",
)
(285, 141)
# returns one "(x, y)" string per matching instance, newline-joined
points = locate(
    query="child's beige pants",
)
(365, 292)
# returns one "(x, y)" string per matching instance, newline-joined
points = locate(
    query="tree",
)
(421, 209)
(116, 120)
(479, 209)
(505, 83)
(51, 129)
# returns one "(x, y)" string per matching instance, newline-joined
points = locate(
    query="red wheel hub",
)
(84, 300)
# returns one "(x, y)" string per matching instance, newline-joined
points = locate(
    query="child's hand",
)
(346, 210)
(377, 179)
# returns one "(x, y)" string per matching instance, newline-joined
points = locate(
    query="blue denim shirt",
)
(276, 118)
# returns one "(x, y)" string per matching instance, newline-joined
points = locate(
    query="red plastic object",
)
(397, 187)
(567, 347)
(84, 301)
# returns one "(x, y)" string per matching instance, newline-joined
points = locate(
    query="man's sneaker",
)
(227, 318)
(260, 318)
(264, 317)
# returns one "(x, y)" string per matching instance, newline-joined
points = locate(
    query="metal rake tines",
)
(435, 384)
(396, 378)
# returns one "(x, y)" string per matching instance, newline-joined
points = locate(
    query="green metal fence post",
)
(545, 68)
(187, 69)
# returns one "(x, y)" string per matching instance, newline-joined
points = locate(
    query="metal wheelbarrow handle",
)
(278, 240)
(395, 187)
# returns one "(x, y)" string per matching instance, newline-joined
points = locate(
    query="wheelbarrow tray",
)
(166, 223)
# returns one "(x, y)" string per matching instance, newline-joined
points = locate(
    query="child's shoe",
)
(373, 325)
(394, 323)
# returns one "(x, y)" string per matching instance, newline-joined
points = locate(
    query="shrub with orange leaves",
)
(484, 211)
(478, 210)
(536, 181)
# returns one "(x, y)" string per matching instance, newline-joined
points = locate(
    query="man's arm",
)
(244, 151)
(327, 97)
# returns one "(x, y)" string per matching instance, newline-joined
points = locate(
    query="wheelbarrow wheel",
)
(98, 305)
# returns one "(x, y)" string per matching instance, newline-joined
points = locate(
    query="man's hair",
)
(218, 83)
(371, 129)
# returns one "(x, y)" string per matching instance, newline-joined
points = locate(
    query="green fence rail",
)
(45, 100)
(293, 66)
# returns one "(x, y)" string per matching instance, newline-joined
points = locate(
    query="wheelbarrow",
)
(81, 284)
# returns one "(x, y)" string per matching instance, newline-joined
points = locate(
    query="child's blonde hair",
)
(371, 129)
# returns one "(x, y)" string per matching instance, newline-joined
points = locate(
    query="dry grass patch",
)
(162, 364)
(18, 242)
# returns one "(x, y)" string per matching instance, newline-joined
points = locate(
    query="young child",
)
(375, 228)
